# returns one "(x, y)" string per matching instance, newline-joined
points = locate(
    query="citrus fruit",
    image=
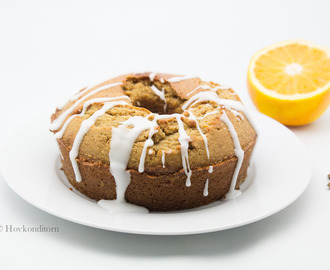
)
(290, 81)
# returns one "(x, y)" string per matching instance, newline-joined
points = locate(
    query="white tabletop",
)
(49, 50)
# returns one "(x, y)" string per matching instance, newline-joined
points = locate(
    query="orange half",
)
(290, 81)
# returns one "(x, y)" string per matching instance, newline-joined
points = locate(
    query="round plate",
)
(280, 173)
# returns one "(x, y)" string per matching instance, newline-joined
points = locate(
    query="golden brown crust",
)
(164, 192)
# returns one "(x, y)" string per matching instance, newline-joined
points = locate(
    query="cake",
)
(160, 141)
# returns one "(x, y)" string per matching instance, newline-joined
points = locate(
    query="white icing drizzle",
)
(198, 87)
(138, 103)
(57, 123)
(60, 133)
(152, 76)
(210, 169)
(61, 105)
(161, 94)
(179, 79)
(149, 142)
(150, 152)
(163, 158)
(184, 140)
(121, 146)
(216, 111)
(192, 117)
(222, 87)
(212, 96)
(81, 93)
(236, 113)
(86, 89)
(233, 193)
(209, 113)
(232, 105)
(206, 188)
(85, 126)
(207, 87)
(162, 80)
(122, 141)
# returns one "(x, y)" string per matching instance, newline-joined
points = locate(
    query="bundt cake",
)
(164, 142)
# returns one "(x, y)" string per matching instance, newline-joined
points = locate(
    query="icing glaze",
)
(60, 133)
(193, 117)
(121, 146)
(209, 113)
(61, 105)
(212, 96)
(81, 93)
(233, 193)
(182, 78)
(184, 140)
(152, 76)
(199, 87)
(161, 94)
(149, 142)
(207, 87)
(163, 158)
(57, 123)
(206, 188)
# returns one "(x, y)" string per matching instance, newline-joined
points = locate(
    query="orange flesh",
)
(313, 69)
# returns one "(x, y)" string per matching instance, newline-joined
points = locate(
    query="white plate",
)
(280, 174)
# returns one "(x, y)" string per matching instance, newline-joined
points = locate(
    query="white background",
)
(49, 50)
